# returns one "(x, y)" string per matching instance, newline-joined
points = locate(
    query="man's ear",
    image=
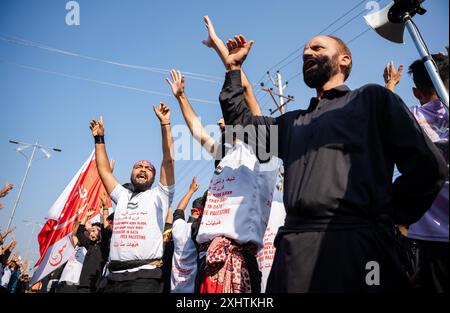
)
(345, 60)
(417, 93)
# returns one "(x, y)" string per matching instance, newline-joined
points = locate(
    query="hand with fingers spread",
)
(177, 83)
(6, 188)
(163, 113)
(392, 76)
(238, 50)
(193, 186)
(97, 128)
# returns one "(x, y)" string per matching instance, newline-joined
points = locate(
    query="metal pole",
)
(429, 64)
(280, 91)
(30, 160)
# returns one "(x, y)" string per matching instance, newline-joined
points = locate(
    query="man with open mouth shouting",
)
(136, 247)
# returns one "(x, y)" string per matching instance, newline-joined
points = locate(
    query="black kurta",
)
(339, 157)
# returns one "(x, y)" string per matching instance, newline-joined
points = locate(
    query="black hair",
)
(420, 75)
(199, 203)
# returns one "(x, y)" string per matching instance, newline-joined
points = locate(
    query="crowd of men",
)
(345, 213)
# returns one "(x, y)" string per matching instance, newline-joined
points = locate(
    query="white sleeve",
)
(180, 233)
(118, 191)
(165, 193)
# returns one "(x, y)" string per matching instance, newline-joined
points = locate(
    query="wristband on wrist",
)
(99, 139)
(165, 124)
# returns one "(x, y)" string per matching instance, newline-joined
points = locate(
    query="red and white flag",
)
(82, 194)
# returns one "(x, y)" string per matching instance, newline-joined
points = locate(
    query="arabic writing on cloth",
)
(139, 223)
(239, 197)
(276, 219)
(184, 260)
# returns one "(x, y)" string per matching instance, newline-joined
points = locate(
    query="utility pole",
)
(281, 103)
(23, 146)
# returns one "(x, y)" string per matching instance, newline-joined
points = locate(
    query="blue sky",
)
(55, 109)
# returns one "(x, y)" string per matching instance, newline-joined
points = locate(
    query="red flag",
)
(82, 194)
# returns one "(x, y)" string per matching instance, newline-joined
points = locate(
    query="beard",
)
(141, 186)
(324, 69)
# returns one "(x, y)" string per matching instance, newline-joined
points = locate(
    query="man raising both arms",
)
(136, 246)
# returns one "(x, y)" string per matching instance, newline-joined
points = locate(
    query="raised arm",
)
(82, 239)
(179, 212)
(191, 118)
(101, 158)
(105, 211)
(6, 233)
(167, 177)
(213, 41)
(73, 237)
(392, 76)
(6, 188)
(193, 187)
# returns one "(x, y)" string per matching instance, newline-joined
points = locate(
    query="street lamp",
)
(23, 146)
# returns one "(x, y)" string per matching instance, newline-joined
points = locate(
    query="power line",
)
(29, 43)
(326, 28)
(334, 32)
(359, 35)
(100, 81)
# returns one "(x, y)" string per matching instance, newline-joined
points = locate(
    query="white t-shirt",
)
(266, 255)
(184, 260)
(6, 277)
(72, 270)
(239, 197)
(139, 224)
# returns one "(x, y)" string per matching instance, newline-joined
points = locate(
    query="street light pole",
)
(23, 146)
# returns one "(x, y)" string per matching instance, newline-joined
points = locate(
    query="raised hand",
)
(213, 41)
(163, 113)
(392, 76)
(97, 128)
(238, 50)
(210, 42)
(193, 186)
(103, 199)
(6, 188)
(177, 83)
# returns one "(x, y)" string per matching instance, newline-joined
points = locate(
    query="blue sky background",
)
(56, 110)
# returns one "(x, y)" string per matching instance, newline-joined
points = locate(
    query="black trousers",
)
(62, 287)
(339, 261)
(139, 285)
(433, 266)
(141, 281)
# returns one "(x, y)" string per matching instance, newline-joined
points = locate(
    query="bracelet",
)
(99, 139)
(165, 124)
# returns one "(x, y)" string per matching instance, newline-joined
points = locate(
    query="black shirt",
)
(94, 259)
(339, 155)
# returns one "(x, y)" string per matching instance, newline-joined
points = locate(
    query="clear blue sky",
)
(56, 110)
